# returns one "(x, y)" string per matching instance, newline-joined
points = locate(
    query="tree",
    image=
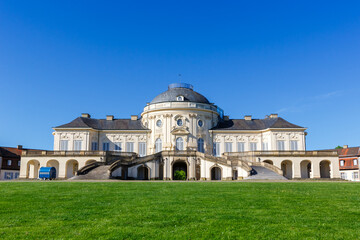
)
(339, 147)
(179, 175)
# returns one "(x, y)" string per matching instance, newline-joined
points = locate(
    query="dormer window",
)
(180, 98)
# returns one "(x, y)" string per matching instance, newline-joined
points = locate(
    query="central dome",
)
(184, 91)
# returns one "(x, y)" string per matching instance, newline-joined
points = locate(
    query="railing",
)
(62, 153)
(281, 153)
(181, 105)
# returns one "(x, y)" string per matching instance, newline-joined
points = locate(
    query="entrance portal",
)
(179, 166)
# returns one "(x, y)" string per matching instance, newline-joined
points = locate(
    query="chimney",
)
(345, 146)
(19, 147)
(85, 115)
(274, 115)
(134, 117)
(226, 118)
(247, 117)
(109, 117)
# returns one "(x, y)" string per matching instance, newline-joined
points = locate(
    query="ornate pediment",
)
(180, 131)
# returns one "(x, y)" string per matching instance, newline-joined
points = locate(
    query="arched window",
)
(158, 145)
(179, 144)
(201, 145)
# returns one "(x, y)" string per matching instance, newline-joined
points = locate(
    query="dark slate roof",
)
(171, 94)
(254, 124)
(103, 124)
(351, 151)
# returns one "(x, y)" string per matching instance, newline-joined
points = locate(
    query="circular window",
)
(158, 123)
(179, 122)
(200, 123)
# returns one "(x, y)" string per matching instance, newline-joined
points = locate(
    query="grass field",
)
(179, 210)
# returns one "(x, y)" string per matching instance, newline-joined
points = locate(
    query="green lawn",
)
(179, 210)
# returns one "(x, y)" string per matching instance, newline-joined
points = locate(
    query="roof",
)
(10, 152)
(103, 124)
(176, 90)
(254, 124)
(351, 151)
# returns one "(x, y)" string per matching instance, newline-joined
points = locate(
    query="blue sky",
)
(300, 59)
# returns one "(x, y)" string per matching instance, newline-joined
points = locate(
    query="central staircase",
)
(99, 173)
(263, 173)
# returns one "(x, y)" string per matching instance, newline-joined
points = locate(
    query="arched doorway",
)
(89, 161)
(142, 173)
(286, 167)
(305, 168)
(325, 169)
(215, 173)
(71, 167)
(179, 166)
(269, 162)
(55, 164)
(32, 170)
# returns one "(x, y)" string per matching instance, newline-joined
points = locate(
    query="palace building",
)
(180, 130)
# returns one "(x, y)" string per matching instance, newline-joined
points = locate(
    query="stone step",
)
(99, 173)
(263, 173)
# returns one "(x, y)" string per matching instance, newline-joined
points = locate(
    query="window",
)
(355, 175)
(201, 145)
(179, 122)
(200, 123)
(265, 146)
(294, 145)
(240, 146)
(343, 175)
(106, 146)
(342, 163)
(9, 162)
(142, 149)
(64, 145)
(228, 147)
(158, 145)
(19, 163)
(180, 98)
(158, 123)
(130, 147)
(8, 175)
(16, 175)
(253, 146)
(281, 145)
(179, 144)
(77, 145)
(355, 162)
(117, 146)
(216, 149)
(94, 146)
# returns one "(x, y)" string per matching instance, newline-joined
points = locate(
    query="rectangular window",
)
(355, 175)
(8, 175)
(355, 161)
(16, 175)
(94, 146)
(342, 163)
(19, 163)
(281, 145)
(228, 147)
(253, 146)
(117, 146)
(106, 146)
(130, 147)
(9, 162)
(77, 145)
(241, 147)
(216, 149)
(293, 145)
(265, 146)
(64, 145)
(142, 149)
(343, 175)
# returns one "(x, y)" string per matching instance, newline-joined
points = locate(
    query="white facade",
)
(176, 121)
